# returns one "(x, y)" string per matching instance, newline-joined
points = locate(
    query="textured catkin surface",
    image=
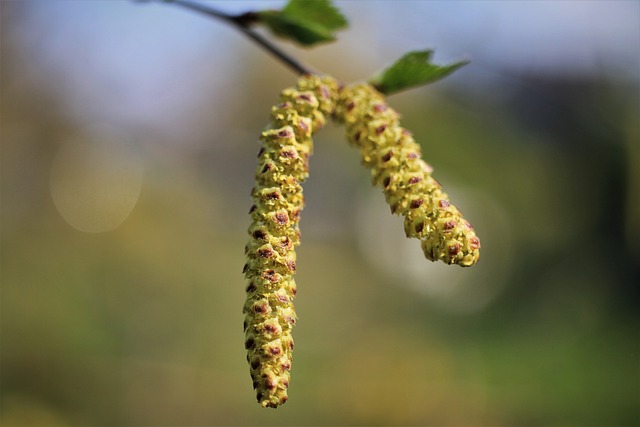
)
(274, 232)
(397, 167)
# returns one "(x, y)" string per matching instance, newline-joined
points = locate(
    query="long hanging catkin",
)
(396, 165)
(274, 232)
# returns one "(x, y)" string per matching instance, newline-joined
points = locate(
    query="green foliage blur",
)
(133, 317)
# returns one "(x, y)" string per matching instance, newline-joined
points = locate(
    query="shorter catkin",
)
(396, 165)
(283, 164)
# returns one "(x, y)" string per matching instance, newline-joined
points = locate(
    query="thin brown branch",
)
(243, 23)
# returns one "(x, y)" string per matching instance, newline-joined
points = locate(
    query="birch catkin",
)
(274, 232)
(396, 165)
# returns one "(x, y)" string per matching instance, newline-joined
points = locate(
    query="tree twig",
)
(242, 22)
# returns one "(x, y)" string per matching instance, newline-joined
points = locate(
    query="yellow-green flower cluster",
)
(283, 164)
(396, 165)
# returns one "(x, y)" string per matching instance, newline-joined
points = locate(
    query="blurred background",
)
(129, 136)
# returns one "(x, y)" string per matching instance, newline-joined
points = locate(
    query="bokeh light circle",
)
(96, 178)
(454, 289)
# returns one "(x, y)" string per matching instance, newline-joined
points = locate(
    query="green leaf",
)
(320, 12)
(307, 22)
(413, 69)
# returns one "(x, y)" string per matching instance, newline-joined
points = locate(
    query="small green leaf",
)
(413, 69)
(320, 12)
(304, 21)
(301, 32)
